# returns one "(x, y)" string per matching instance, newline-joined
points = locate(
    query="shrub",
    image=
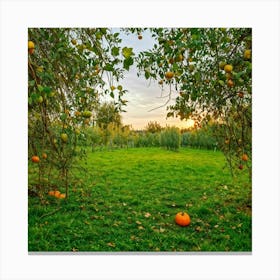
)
(170, 138)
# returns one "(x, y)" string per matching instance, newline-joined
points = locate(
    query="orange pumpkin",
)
(51, 193)
(57, 194)
(35, 159)
(182, 219)
(62, 195)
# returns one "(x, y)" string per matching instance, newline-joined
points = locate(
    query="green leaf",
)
(147, 74)
(31, 83)
(40, 88)
(115, 51)
(34, 96)
(112, 94)
(47, 89)
(127, 52)
(108, 67)
(127, 63)
(63, 116)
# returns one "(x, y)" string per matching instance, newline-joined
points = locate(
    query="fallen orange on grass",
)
(51, 193)
(62, 195)
(57, 194)
(35, 159)
(182, 219)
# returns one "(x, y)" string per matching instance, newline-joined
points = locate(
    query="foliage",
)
(210, 71)
(107, 113)
(200, 138)
(153, 127)
(170, 138)
(67, 73)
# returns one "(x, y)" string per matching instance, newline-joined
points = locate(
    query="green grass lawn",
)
(127, 200)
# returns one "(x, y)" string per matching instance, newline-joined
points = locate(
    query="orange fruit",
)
(169, 75)
(57, 194)
(35, 159)
(182, 219)
(31, 45)
(230, 83)
(244, 157)
(228, 68)
(247, 54)
(62, 195)
(51, 193)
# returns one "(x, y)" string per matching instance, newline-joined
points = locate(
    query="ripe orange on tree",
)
(35, 159)
(230, 83)
(247, 54)
(169, 75)
(31, 47)
(228, 68)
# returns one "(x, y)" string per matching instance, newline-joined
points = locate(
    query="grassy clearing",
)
(127, 200)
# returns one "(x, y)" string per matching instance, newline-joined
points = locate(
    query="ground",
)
(126, 200)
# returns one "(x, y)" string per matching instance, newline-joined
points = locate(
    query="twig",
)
(168, 100)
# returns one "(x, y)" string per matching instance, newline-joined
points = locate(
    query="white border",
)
(262, 16)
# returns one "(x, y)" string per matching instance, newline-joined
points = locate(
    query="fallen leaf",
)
(138, 223)
(147, 215)
(198, 229)
(111, 244)
(161, 230)
(140, 227)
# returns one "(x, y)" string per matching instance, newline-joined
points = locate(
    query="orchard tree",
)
(153, 127)
(68, 71)
(208, 73)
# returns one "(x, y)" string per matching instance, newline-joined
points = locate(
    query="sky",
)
(143, 95)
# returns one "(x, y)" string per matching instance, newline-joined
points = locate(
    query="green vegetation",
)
(126, 200)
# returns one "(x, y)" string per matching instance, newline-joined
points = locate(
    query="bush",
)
(201, 139)
(170, 138)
